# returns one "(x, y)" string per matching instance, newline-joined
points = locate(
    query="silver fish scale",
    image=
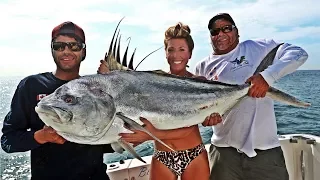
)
(136, 93)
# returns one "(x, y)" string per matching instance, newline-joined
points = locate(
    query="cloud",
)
(314, 56)
(21, 62)
(26, 27)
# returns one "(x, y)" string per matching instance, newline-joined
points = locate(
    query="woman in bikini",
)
(190, 160)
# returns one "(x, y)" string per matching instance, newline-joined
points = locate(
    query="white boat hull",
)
(302, 155)
(301, 152)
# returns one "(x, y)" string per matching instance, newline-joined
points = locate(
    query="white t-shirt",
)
(252, 124)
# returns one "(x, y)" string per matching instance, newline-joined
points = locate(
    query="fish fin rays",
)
(112, 57)
(134, 125)
(127, 146)
(147, 56)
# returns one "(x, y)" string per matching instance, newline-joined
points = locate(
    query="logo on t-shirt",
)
(40, 96)
(239, 63)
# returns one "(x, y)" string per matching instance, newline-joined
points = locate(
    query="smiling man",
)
(245, 145)
(52, 157)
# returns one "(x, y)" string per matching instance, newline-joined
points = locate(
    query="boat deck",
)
(301, 151)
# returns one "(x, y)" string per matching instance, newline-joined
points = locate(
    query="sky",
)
(25, 30)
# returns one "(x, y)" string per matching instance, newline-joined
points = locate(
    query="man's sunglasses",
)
(73, 46)
(225, 29)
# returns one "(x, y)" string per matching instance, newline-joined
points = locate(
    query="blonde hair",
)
(179, 31)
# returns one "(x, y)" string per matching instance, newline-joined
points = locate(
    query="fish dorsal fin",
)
(112, 57)
(147, 56)
(267, 60)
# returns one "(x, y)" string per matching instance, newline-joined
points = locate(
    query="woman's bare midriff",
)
(190, 140)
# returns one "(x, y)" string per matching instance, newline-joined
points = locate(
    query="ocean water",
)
(304, 84)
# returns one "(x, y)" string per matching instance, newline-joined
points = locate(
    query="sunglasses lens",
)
(58, 46)
(227, 28)
(73, 46)
(214, 32)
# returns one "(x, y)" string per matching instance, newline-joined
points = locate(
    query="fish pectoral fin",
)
(117, 147)
(125, 145)
(134, 125)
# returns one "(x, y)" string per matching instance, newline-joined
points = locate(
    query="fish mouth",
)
(66, 113)
(45, 112)
(54, 113)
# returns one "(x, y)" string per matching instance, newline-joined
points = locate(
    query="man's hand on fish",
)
(48, 134)
(259, 86)
(138, 137)
(212, 120)
(103, 68)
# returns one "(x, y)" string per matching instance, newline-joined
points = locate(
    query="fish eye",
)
(69, 99)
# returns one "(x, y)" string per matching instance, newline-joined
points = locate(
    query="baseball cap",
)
(225, 16)
(69, 28)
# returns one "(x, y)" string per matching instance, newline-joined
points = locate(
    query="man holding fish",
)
(92, 109)
(52, 157)
(245, 145)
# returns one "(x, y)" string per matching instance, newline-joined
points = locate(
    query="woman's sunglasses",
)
(225, 29)
(73, 46)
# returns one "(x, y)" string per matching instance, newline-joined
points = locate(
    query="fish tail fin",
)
(268, 60)
(283, 97)
(274, 93)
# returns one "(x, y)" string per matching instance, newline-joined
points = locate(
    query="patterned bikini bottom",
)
(177, 161)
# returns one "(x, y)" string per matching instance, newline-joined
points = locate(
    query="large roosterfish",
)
(93, 109)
